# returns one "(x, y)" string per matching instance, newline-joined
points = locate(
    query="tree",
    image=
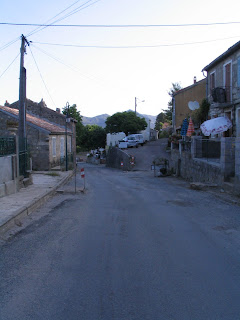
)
(168, 112)
(92, 137)
(161, 118)
(127, 122)
(75, 114)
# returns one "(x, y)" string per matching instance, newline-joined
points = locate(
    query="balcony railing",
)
(222, 94)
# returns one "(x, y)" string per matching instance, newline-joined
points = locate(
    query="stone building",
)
(46, 140)
(195, 92)
(223, 83)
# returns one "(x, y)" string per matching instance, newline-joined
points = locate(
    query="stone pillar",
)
(227, 160)
(237, 165)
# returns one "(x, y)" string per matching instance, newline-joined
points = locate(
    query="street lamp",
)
(67, 120)
(136, 104)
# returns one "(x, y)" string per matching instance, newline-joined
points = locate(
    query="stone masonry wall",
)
(38, 143)
(195, 169)
(40, 109)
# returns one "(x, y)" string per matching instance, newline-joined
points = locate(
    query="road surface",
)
(133, 247)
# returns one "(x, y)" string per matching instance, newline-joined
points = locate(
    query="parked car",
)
(131, 141)
(138, 137)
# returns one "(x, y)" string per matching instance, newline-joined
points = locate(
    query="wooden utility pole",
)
(22, 106)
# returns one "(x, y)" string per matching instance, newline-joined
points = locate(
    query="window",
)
(62, 147)
(54, 151)
(212, 81)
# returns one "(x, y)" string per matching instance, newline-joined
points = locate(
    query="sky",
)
(102, 69)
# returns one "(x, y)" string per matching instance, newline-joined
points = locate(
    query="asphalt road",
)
(133, 247)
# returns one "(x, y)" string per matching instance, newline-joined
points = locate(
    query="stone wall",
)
(114, 158)
(42, 111)
(196, 170)
(38, 146)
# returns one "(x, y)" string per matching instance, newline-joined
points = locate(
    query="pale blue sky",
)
(106, 80)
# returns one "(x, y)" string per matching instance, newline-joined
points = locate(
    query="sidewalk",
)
(22, 203)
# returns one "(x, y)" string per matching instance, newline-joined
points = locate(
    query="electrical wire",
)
(75, 69)
(9, 65)
(111, 25)
(5, 46)
(134, 47)
(45, 25)
(81, 7)
(78, 9)
(42, 77)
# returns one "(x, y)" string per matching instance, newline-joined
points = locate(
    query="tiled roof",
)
(223, 56)
(51, 127)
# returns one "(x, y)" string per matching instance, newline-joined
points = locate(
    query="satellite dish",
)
(193, 105)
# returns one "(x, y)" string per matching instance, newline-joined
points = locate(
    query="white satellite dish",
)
(193, 105)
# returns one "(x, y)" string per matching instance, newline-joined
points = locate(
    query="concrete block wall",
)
(8, 175)
(6, 166)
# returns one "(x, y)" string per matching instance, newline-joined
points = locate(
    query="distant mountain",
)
(100, 120)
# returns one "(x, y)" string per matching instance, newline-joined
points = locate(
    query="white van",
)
(138, 137)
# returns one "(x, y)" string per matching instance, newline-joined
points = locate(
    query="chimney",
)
(58, 110)
(195, 79)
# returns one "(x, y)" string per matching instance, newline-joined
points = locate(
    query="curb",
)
(32, 206)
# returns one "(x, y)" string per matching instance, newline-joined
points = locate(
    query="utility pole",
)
(22, 108)
(66, 135)
(136, 104)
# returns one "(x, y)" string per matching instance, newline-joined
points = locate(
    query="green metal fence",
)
(7, 146)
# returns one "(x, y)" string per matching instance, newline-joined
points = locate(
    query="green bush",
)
(164, 134)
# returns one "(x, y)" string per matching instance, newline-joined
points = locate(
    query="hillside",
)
(100, 120)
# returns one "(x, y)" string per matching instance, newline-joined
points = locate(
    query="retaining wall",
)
(195, 169)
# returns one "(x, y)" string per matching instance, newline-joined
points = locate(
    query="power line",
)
(75, 69)
(9, 65)
(81, 7)
(133, 47)
(42, 77)
(39, 27)
(5, 46)
(112, 25)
